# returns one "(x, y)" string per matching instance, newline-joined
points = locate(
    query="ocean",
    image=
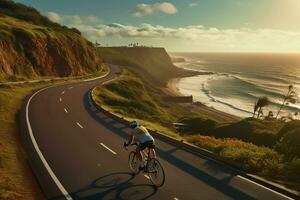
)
(237, 80)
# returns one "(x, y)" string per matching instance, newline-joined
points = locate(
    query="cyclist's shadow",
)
(117, 185)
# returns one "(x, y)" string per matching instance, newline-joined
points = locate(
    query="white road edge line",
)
(246, 179)
(79, 125)
(92, 79)
(147, 176)
(66, 110)
(60, 99)
(37, 149)
(108, 148)
(48, 168)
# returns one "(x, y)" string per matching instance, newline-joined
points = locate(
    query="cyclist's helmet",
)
(133, 124)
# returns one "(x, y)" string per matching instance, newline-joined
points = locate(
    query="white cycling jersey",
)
(141, 134)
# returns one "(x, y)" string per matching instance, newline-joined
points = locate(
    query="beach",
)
(233, 82)
(172, 88)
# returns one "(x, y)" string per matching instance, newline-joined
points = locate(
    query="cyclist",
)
(144, 139)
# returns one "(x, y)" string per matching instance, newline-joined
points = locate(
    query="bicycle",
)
(152, 166)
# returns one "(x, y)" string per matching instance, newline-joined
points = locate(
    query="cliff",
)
(153, 64)
(31, 45)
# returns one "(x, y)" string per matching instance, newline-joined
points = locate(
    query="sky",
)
(182, 25)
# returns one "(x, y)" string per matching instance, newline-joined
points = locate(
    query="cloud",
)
(71, 19)
(149, 9)
(54, 17)
(184, 38)
(193, 4)
(198, 37)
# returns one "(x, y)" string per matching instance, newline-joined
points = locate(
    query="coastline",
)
(172, 88)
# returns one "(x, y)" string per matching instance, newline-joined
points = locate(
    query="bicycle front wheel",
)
(134, 162)
(156, 172)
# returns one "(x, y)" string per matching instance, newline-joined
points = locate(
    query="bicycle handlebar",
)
(126, 145)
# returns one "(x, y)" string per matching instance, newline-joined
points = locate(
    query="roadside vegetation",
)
(16, 178)
(268, 148)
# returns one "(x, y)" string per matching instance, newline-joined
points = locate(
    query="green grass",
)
(16, 180)
(255, 158)
(130, 97)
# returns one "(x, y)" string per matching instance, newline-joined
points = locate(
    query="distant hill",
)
(153, 64)
(31, 45)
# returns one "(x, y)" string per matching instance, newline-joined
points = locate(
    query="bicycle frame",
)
(145, 155)
(152, 163)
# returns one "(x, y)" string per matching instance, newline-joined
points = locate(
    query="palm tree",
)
(255, 108)
(290, 97)
(260, 103)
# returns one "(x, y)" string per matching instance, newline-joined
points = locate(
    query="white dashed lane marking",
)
(60, 99)
(70, 88)
(63, 92)
(79, 125)
(108, 148)
(147, 176)
(66, 110)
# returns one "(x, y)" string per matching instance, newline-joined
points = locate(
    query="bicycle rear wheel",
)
(156, 172)
(134, 162)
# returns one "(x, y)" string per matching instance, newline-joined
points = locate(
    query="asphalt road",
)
(76, 152)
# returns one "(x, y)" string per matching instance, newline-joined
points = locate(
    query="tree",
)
(259, 104)
(290, 97)
(97, 44)
(255, 108)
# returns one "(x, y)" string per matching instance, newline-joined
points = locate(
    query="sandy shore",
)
(172, 88)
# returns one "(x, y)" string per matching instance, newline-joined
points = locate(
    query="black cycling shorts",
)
(144, 145)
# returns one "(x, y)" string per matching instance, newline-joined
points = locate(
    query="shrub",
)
(289, 144)
(259, 132)
(288, 127)
(199, 124)
(257, 159)
(292, 169)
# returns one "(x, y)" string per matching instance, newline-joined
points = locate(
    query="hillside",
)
(153, 64)
(31, 45)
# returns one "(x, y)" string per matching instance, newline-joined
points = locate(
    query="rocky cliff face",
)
(153, 64)
(31, 48)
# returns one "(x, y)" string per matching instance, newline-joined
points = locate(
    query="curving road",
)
(76, 153)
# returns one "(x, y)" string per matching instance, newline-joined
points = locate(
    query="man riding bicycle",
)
(144, 139)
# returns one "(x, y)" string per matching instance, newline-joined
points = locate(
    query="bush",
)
(292, 169)
(257, 159)
(288, 127)
(259, 132)
(198, 124)
(289, 144)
